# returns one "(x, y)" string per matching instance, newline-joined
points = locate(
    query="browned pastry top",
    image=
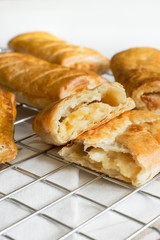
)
(136, 63)
(138, 69)
(38, 82)
(8, 149)
(56, 50)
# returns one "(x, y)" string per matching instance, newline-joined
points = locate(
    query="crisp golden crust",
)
(8, 149)
(56, 50)
(38, 83)
(61, 122)
(138, 70)
(127, 147)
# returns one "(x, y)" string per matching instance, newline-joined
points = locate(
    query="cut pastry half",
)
(62, 122)
(56, 50)
(127, 147)
(8, 148)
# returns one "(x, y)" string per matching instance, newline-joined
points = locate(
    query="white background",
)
(106, 25)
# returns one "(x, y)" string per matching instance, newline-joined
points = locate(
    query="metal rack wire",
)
(93, 180)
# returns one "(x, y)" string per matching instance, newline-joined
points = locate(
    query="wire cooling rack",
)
(44, 197)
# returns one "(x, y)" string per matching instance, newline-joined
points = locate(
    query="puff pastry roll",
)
(8, 149)
(56, 50)
(126, 148)
(38, 83)
(61, 122)
(138, 70)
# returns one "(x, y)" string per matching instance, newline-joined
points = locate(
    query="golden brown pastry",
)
(38, 83)
(61, 122)
(56, 50)
(126, 148)
(8, 149)
(138, 70)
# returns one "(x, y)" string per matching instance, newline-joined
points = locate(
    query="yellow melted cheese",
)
(81, 118)
(121, 162)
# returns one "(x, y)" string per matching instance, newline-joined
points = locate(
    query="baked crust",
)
(61, 122)
(126, 148)
(138, 70)
(56, 50)
(8, 149)
(38, 83)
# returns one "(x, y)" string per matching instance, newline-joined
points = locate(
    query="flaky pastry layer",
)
(61, 122)
(127, 147)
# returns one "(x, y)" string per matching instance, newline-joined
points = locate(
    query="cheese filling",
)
(119, 165)
(81, 118)
(119, 161)
(91, 110)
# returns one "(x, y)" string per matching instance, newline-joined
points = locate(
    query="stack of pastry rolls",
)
(63, 70)
(37, 82)
(83, 111)
(102, 134)
(124, 143)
